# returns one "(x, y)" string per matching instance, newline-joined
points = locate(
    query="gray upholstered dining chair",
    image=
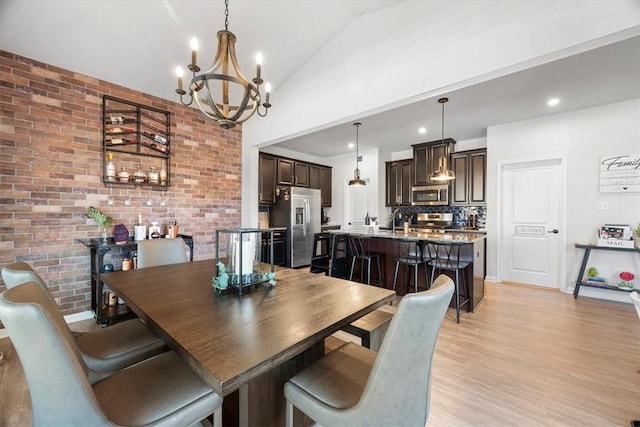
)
(160, 391)
(106, 350)
(152, 253)
(352, 386)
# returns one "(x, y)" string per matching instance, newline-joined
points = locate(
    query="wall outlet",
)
(602, 206)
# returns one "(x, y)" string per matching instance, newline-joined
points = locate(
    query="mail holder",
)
(242, 268)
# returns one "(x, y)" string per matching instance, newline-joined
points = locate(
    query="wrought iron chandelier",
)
(442, 174)
(356, 174)
(223, 93)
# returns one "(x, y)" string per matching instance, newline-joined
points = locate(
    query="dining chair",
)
(447, 256)
(354, 386)
(160, 391)
(106, 350)
(155, 252)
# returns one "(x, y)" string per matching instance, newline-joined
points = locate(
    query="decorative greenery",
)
(99, 217)
(638, 230)
(592, 272)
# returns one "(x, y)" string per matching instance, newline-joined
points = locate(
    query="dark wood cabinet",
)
(399, 179)
(275, 170)
(267, 167)
(469, 187)
(426, 156)
(320, 178)
(292, 172)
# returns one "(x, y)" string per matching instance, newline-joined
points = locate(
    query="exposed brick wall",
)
(50, 172)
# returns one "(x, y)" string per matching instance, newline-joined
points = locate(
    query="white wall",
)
(584, 136)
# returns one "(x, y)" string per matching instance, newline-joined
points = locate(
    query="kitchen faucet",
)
(393, 220)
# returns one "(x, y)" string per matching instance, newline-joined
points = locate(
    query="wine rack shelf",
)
(136, 139)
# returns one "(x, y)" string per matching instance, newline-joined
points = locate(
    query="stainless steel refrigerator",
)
(297, 209)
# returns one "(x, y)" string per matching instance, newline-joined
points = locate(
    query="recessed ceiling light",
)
(422, 130)
(351, 145)
(553, 101)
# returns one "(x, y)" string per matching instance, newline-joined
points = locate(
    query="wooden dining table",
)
(245, 347)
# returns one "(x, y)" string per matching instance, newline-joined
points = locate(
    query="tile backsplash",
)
(459, 213)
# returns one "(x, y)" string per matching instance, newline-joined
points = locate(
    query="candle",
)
(179, 73)
(258, 65)
(194, 50)
(267, 89)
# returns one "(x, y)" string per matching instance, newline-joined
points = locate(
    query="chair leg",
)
(369, 271)
(395, 275)
(457, 298)
(379, 271)
(217, 418)
(289, 414)
(426, 276)
(415, 277)
(353, 266)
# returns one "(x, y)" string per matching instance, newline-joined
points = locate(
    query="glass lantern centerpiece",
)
(240, 265)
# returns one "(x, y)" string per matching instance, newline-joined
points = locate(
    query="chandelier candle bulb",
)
(194, 51)
(258, 79)
(267, 89)
(180, 74)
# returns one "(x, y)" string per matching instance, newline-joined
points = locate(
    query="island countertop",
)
(449, 236)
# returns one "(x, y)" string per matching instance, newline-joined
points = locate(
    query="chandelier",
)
(442, 174)
(223, 93)
(356, 174)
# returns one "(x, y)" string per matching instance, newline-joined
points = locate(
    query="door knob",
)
(554, 231)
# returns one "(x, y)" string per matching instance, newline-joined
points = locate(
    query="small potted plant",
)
(625, 280)
(637, 237)
(102, 219)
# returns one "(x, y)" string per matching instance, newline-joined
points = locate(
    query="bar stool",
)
(360, 250)
(321, 257)
(445, 256)
(410, 253)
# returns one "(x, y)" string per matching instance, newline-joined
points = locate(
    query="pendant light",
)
(442, 174)
(356, 174)
(223, 93)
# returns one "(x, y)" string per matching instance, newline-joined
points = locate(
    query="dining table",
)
(245, 346)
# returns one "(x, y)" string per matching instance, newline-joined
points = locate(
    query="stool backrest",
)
(447, 255)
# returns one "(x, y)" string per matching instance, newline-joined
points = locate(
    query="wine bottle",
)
(119, 130)
(111, 168)
(157, 138)
(121, 141)
(118, 120)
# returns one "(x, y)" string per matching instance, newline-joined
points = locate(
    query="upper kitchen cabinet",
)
(320, 178)
(399, 179)
(292, 172)
(267, 166)
(275, 170)
(425, 159)
(469, 186)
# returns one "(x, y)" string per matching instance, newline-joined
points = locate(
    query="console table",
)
(585, 258)
(99, 247)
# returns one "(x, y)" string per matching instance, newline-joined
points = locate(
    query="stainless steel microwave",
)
(430, 195)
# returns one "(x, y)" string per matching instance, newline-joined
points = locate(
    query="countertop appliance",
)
(430, 195)
(297, 209)
(434, 222)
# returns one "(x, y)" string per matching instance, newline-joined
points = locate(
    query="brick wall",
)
(51, 168)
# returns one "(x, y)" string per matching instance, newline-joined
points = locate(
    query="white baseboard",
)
(71, 318)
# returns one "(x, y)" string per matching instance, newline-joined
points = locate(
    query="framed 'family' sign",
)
(620, 174)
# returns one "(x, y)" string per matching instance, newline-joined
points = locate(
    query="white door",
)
(355, 204)
(532, 212)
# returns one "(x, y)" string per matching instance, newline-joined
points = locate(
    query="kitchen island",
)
(385, 242)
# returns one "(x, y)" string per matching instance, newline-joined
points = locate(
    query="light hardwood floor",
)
(527, 357)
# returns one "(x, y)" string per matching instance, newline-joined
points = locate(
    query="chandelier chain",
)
(226, 15)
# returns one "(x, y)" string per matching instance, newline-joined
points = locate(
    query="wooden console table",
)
(585, 258)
